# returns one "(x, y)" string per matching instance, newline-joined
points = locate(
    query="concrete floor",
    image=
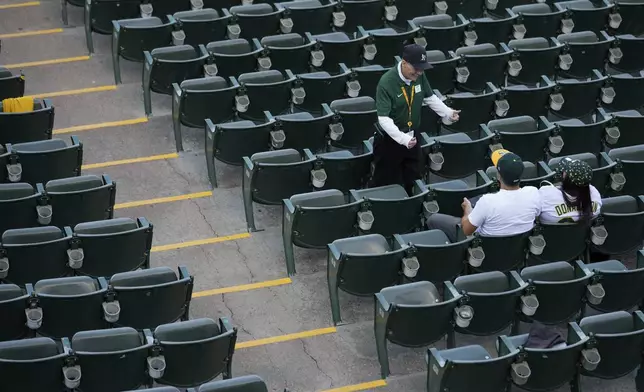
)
(317, 363)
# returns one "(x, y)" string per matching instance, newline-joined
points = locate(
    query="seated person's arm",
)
(473, 218)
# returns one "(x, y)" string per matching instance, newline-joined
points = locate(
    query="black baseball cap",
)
(509, 166)
(416, 56)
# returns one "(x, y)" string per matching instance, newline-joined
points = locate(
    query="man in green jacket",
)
(401, 93)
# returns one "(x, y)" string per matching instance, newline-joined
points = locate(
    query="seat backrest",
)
(587, 157)
(276, 157)
(237, 384)
(435, 56)
(631, 153)
(205, 84)
(443, 20)
(106, 341)
(144, 277)
(40, 146)
(252, 9)
(72, 286)
(175, 53)
(608, 323)
(261, 77)
(107, 226)
(486, 282)
(540, 8)
(580, 37)
(477, 50)
(74, 184)
(28, 349)
(10, 291)
(187, 331)
(513, 124)
(552, 272)
(620, 205)
(283, 40)
(18, 190)
(204, 14)
(358, 104)
(31, 235)
(529, 43)
(230, 47)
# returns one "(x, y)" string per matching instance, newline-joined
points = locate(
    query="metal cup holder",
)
(391, 12)
(146, 10)
(614, 20)
(339, 19)
(34, 317)
(595, 293)
(514, 67)
(567, 25)
(431, 207)
(470, 38)
(617, 181)
(462, 74)
(555, 144)
(519, 31)
(537, 244)
(353, 88)
(556, 102)
(491, 4)
(608, 95)
(233, 31)
(410, 266)
(440, 7)
(365, 220)
(463, 315)
(75, 258)
(178, 37)
(615, 55)
(436, 161)
(286, 25)
(156, 366)
(196, 4)
(420, 41)
(529, 304)
(210, 70)
(298, 94)
(44, 214)
(318, 178)
(14, 171)
(369, 52)
(111, 311)
(4, 267)
(565, 61)
(72, 376)
(475, 256)
(612, 135)
(242, 103)
(277, 139)
(599, 235)
(317, 58)
(590, 358)
(336, 130)
(520, 373)
(264, 63)
(501, 108)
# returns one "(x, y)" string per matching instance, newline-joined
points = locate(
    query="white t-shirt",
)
(555, 210)
(506, 212)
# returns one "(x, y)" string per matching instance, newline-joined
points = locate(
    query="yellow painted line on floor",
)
(286, 338)
(88, 127)
(47, 62)
(243, 287)
(132, 160)
(73, 92)
(31, 33)
(359, 387)
(206, 241)
(19, 5)
(160, 200)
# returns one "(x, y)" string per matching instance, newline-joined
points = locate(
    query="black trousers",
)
(396, 164)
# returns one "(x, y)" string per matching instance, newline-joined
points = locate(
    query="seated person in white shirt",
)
(510, 211)
(576, 199)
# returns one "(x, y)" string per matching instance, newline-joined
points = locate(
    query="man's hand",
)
(412, 143)
(455, 117)
(466, 206)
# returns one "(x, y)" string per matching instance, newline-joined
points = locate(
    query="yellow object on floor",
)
(18, 105)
